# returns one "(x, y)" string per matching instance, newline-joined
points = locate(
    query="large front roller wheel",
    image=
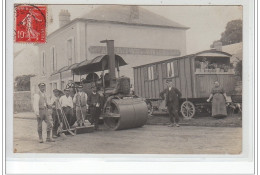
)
(187, 109)
(126, 113)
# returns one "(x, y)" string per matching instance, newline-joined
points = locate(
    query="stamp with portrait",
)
(30, 23)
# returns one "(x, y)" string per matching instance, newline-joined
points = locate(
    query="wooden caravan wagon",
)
(193, 75)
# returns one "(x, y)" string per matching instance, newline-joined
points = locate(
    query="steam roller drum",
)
(126, 113)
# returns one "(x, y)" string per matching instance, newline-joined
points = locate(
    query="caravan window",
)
(150, 73)
(170, 70)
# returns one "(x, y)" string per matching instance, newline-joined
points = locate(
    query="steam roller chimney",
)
(112, 60)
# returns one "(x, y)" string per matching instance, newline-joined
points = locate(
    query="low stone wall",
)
(22, 101)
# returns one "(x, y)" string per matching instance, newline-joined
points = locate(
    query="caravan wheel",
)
(187, 109)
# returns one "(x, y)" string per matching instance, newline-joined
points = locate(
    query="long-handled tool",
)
(59, 130)
(66, 123)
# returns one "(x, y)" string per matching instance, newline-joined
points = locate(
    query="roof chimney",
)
(64, 17)
(217, 45)
(134, 12)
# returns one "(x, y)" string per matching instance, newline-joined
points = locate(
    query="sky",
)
(206, 23)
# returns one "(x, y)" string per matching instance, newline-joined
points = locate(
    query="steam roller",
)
(126, 113)
(120, 109)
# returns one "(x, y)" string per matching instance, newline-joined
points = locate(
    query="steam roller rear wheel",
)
(187, 109)
(126, 113)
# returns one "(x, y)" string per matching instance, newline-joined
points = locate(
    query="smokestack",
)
(217, 45)
(64, 17)
(134, 12)
(112, 60)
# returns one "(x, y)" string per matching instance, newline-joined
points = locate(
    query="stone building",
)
(140, 36)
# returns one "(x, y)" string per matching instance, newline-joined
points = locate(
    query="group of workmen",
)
(70, 109)
(67, 110)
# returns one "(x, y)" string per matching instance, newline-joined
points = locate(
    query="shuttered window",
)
(69, 51)
(53, 60)
(43, 63)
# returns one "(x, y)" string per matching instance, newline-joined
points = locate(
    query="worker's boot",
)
(49, 138)
(40, 136)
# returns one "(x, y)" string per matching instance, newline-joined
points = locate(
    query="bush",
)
(22, 83)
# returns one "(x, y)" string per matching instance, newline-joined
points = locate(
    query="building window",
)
(43, 63)
(53, 59)
(69, 51)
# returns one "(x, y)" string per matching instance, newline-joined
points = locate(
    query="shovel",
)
(66, 123)
(60, 130)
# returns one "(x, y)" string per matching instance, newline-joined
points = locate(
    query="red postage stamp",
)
(30, 24)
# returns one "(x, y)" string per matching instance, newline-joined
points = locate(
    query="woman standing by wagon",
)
(219, 109)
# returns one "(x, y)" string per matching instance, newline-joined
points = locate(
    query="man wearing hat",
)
(67, 106)
(94, 102)
(40, 106)
(172, 102)
(80, 100)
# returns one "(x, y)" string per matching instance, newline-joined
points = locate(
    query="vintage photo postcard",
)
(127, 79)
(145, 80)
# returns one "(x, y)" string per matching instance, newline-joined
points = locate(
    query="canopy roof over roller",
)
(95, 65)
(66, 68)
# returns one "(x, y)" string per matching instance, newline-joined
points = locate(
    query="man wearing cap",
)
(80, 100)
(94, 102)
(172, 102)
(67, 106)
(40, 106)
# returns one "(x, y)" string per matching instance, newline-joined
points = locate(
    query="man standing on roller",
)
(94, 102)
(172, 102)
(40, 106)
(80, 100)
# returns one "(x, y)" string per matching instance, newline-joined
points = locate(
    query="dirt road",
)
(148, 139)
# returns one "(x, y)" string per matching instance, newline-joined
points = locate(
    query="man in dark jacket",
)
(94, 102)
(172, 102)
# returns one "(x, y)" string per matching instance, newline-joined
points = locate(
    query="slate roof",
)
(121, 13)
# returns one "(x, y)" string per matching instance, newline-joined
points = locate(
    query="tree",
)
(233, 33)
(22, 83)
